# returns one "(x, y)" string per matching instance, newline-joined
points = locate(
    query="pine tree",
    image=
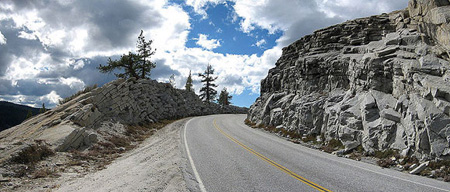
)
(42, 110)
(29, 114)
(172, 81)
(137, 65)
(126, 62)
(207, 92)
(224, 98)
(145, 52)
(189, 86)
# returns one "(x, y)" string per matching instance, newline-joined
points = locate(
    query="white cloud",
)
(52, 98)
(2, 39)
(26, 35)
(236, 72)
(199, 5)
(260, 43)
(339, 8)
(206, 43)
(72, 82)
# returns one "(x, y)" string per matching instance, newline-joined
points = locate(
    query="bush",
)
(85, 90)
(33, 154)
(332, 145)
(310, 138)
(386, 154)
(385, 162)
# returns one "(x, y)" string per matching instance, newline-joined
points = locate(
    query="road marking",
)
(197, 176)
(273, 163)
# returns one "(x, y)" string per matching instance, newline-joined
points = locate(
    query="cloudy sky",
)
(49, 49)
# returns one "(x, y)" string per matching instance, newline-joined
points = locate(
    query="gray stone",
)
(420, 168)
(393, 83)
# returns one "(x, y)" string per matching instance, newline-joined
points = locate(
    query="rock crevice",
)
(381, 82)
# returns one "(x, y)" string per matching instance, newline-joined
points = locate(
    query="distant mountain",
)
(13, 114)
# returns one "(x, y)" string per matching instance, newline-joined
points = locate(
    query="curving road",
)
(226, 155)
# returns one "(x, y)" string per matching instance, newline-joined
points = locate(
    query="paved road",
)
(229, 156)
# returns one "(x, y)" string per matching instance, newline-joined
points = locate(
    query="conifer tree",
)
(224, 98)
(145, 52)
(137, 65)
(126, 62)
(29, 114)
(207, 92)
(189, 86)
(172, 81)
(42, 110)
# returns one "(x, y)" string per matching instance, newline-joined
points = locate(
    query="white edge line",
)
(197, 176)
(356, 166)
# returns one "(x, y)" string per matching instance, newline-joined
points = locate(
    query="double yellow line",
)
(273, 163)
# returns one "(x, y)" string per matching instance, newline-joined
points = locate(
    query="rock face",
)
(105, 111)
(382, 82)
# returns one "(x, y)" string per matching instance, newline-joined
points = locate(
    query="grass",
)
(33, 153)
(332, 145)
(42, 173)
(102, 153)
(386, 154)
(310, 138)
(85, 90)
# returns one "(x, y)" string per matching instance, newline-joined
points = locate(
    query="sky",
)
(49, 49)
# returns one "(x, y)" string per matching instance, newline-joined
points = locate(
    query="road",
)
(226, 155)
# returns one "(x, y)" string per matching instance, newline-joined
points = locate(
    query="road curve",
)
(226, 155)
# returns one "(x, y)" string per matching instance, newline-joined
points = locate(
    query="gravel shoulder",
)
(156, 165)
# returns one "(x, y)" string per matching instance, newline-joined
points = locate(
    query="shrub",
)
(310, 138)
(385, 162)
(386, 154)
(332, 145)
(249, 123)
(42, 173)
(33, 154)
(119, 141)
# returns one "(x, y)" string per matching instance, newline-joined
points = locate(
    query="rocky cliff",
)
(381, 82)
(104, 112)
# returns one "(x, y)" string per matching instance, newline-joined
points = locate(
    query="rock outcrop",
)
(105, 111)
(381, 82)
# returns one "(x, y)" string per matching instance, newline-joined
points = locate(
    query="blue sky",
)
(50, 49)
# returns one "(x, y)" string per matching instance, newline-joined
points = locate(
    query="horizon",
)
(49, 51)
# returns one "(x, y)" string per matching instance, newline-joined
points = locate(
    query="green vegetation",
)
(33, 154)
(189, 86)
(207, 92)
(43, 109)
(29, 114)
(137, 65)
(172, 80)
(224, 98)
(386, 154)
(332, 145)
(85, 90)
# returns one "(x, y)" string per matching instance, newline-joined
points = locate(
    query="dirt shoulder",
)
(156, 165)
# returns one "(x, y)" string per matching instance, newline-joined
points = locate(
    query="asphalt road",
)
(226, 155)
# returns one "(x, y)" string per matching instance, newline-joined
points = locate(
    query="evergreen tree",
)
(42, 110)
(224, 98)
(207, 92)
(126, 62)
(29, 114)
(172, 80)
(145, 52)
(134, 65)
(189, 86)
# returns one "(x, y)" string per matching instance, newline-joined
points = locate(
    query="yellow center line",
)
(273, 163)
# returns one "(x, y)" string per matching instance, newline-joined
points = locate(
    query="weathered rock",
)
(420, 168)
(105, 111)
(382, 82)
